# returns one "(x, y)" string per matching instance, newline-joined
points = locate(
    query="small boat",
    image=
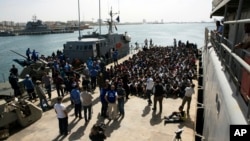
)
(6, 33)
(224, 75)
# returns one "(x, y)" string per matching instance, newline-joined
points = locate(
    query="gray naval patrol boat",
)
(98, 45)
(224, 95)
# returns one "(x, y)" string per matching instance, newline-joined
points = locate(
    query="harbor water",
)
(161, 35)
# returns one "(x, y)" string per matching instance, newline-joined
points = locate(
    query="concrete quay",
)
(139, 123)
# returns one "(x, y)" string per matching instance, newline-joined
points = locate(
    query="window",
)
(217, 100)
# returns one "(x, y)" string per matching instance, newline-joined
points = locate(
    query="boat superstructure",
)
(98, 45)
(224, 93)
(36, 27)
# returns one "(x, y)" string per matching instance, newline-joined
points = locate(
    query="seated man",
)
(176, 116)
(174, 90)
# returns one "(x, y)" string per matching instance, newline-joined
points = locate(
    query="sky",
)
(129, 10)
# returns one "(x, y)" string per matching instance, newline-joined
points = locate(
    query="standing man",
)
(47, 80)
(149, 87)
(14, 70)
(93, 75)
(121, 93)
(150, 42)
(115, 57)
(111, 98)
(85, 71)
(125, 81)
(28, 54)
(41, 96)
(13, 80)
(188, 96)
(104, 102)
(87, 104)
(158, 92)
(34, 55)
(146, 42)
(76, 98)
(29, 86)
(62, 116)
(86, 83)
(59, 83)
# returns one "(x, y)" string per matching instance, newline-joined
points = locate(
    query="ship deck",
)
(139, 123)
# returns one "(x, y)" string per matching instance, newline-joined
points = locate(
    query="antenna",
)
(34, 18)
(111, 22)
(118, 6)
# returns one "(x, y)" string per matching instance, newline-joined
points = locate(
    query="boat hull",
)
(223, 106)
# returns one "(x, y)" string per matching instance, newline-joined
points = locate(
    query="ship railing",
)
(232, 60)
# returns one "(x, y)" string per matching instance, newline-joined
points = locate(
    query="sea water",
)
(161, 35)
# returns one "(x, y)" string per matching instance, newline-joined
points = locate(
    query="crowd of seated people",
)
(175, 66)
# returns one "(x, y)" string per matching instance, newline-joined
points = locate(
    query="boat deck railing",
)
(232, 61)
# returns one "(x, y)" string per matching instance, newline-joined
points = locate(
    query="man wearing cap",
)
(29, 86)
(41, 95)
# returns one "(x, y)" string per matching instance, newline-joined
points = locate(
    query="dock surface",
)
(139, 123)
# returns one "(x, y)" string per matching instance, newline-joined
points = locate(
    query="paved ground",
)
(140, 123)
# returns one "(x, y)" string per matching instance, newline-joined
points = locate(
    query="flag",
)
(118, 19)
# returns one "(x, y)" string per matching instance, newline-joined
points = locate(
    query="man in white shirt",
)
(188, 97)
(62, 116)
(149, 87)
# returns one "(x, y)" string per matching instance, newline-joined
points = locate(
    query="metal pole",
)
(3, 77)
(100, 29)
(79, 20)
(238, 21)
(237, 18)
